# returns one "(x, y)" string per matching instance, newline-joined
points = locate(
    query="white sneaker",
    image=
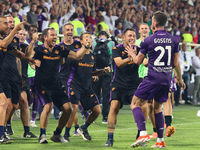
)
(42, 139)
(59, 139)
(198, 113)
(32, 124)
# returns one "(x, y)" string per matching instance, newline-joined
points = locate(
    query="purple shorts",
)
(148, 91)
(173, 85)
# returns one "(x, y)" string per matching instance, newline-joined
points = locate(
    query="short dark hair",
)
(32, 26)
(103, 33)
(45, 32)
(128, 29)
(53, 17)
(101, 18)
(81, 36)
(75, 15)
(160, 18)
(187, 29)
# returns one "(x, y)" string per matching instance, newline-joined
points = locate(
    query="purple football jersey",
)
(160, 48)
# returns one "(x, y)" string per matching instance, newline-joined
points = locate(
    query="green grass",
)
(186, 137)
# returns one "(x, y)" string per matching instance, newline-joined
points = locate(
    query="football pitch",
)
(186, 137)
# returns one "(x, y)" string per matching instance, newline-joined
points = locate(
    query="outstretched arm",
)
(6, 41)
(29, 51)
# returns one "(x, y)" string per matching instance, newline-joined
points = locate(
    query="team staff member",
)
(47, 84)
(124, 83)
(70, 43)
(22, 68)
(4, 42)
(80, 85)
(11, 85)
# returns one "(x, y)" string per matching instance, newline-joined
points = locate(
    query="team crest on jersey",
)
(114, 47)
(46, 51)
(72, 93)
(43, 92)
(20, 49)
(91, 95)
(92, 57)
(56, 51)
(76, 46)
(113, 88)
(14, 40)
(5, 49)
(123, 53)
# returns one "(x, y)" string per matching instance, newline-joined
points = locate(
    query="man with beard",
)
(6, 43)
(163, 53)
(47, 83)
(125, 81)
(11, 77)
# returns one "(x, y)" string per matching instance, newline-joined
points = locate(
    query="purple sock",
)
(139, 118)
(159, 124)
(81, 110)
(36, 104)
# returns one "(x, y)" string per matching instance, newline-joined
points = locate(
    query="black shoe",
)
(9, 130)
(5, 140)
(109, 143)
(66, 137)
(105, 120)
(38, 119)
(187, 103)
(29, 135)
(57, 117)
(84, 133)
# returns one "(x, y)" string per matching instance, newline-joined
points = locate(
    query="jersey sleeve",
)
(38, 54)
(14, 44)
(144, 46)
(115, 52)
(64, 51)
(176, 46)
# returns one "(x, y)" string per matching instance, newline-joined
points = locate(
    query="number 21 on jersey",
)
(157, 62)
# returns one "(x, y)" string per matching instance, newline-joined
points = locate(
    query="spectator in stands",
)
(41, 17)
(32, 18)
(14, 15)
(188, 37)
(185, 57)
(54, 24)
(78, 25)
(67, 12)
(109, 19)
(118, 31)
(127, 20)
(103, 25)
(196, 66)
(22, 11)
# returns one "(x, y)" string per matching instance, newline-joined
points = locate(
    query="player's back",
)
(160, 47)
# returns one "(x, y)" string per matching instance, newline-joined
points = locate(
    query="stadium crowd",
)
(103, 19)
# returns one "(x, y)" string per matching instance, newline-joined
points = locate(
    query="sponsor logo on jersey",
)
(43, 92)
(56, 52)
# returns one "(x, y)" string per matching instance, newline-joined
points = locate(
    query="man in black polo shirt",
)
(124, 83)
(48, 86)
(7, 44)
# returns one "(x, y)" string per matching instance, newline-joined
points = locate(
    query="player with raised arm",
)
(163, 51)
(47, 84)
